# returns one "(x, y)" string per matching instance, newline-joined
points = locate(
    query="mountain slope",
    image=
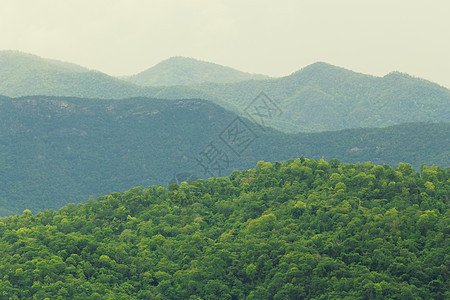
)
(304, 229)
(16, 59)
(24, 74)
(189, 71)
(56, 150)
(324, 97)
(319, 97)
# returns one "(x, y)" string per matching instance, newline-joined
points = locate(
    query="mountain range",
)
(348, 199)
(319, 97)
(324, 97)
(59, 150)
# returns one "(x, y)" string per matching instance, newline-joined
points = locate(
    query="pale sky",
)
(278, 37)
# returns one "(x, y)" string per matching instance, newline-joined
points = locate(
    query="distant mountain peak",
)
(317, 68)
(184, 58)
(322, 72)
(321, 64)
(179, 70)
(187, 62)
(397, 74)
(32, 61)
(325, 67)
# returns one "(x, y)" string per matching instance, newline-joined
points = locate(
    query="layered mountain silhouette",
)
(324, 97)
(316, 98)
(304, 226)
(58, 150)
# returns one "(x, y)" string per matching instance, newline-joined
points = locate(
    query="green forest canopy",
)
(304, 229)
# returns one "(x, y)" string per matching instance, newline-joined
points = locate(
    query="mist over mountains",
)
(90, 133)
(205, 150)
(326, 183)
(316, 98)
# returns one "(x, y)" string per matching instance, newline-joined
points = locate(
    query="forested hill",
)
(324, 97)
(189, 71)
(319, 97)
(25, 74)
(304, 229)
(56, 150)
(11, 59)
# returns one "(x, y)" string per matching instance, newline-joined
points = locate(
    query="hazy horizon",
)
(126, 37)
(146, 68)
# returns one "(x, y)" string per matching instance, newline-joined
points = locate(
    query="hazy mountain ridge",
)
(25, 74)
(319, 97)
(189, 71)
(55, 150)
(323, 97)
(35, 62)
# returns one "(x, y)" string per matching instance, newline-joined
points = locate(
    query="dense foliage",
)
(189, 71)
(304, 229)
(54, 150)
(316, 98)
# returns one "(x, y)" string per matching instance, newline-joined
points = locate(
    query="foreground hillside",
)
(55, 150)
(304, 229)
